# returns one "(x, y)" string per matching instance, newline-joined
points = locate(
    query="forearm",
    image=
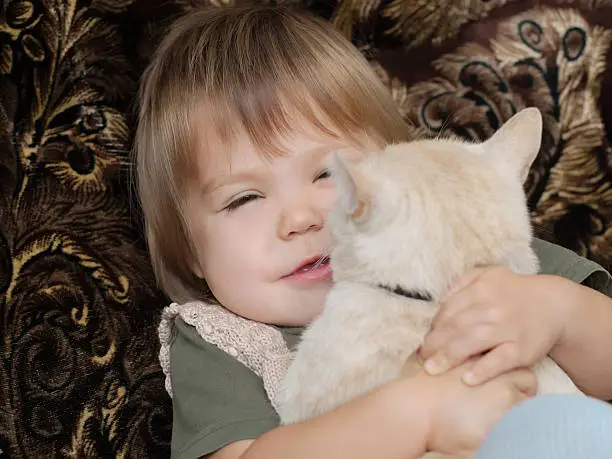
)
(388, 423)
(585, 349)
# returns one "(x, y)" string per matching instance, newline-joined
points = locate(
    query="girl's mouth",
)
(312, 270)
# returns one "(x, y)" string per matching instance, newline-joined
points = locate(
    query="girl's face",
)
(259, 228)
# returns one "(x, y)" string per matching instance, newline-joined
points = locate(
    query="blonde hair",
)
(246, 69)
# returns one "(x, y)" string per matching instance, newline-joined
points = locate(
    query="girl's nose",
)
(299, 218)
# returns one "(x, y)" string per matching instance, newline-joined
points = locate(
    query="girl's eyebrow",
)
(253, 175)
(222, 181)
(322, 150)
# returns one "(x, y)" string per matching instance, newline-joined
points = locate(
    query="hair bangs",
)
(306, 95)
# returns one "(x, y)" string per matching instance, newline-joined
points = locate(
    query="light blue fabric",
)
(552, 427)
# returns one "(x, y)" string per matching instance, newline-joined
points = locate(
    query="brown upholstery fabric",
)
(78, 304)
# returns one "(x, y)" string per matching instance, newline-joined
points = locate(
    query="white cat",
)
(408, 221)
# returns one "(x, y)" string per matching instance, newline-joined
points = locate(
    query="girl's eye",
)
(324, 175)
(241, 201)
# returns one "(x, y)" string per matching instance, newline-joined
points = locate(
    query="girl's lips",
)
(313, 270)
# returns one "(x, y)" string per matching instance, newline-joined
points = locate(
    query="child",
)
(240, 108)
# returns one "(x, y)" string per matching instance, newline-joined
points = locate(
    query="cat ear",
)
(518, 141)
(350, 187)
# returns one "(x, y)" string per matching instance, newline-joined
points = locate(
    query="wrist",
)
(567, 310)
(423, 404)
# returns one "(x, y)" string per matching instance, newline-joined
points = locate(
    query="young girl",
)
(240, 108)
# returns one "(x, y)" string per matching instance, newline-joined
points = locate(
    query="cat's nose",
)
(299, 219)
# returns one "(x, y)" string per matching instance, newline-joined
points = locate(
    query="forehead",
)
(214, 157)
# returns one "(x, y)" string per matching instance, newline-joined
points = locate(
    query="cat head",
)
(420, 213)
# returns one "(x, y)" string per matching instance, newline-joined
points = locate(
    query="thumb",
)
(526, 383)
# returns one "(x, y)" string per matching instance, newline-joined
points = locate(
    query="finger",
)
(461, 326)
(500, 360)
(461, 300)
(464, 281)
(436, 365)
(525, 381)
(519, 396)
(461, 347)
(434, 341)
(456, 304)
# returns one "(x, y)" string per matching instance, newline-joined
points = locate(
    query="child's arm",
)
(584, 349)
(401, 420)
(520, 319)
(387, 423)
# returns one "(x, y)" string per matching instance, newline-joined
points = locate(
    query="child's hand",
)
(461, 416)
(517, 318)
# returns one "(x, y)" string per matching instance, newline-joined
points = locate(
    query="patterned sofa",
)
(78, 305)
